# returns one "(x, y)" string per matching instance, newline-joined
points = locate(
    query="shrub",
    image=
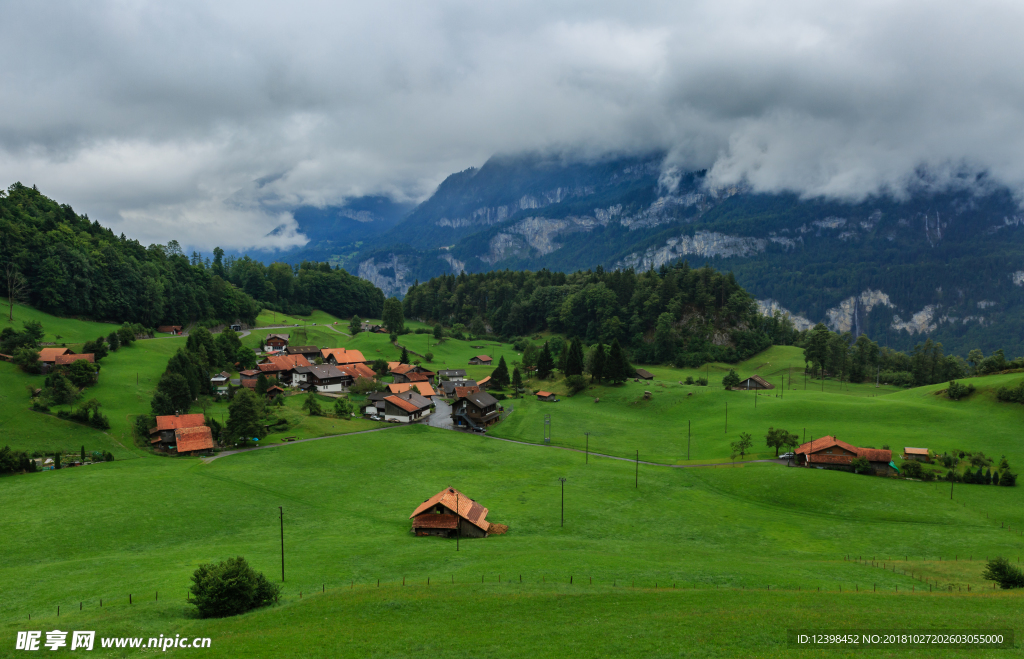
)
(229, 588)
(911, 469)
(731, 380)
(576, 384)
(1004, 573)
(429, 356)
(702, 382)
(1011, 394)
(1007, 479)
(957, 391)
(688, 380)
(861, 466)
(897, 378)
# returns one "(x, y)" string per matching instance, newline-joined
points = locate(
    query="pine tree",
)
(83, 453)
(404, 359)
(517, 381)
(545, 364)
(261, 385)
(355, 326)
(574, 361)
(500, 374)
(995, 478)
(244, 413)
(598, 367)
(617, 368)
(988, 476)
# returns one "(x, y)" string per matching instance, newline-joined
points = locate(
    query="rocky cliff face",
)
(702, 244)
(388, 273)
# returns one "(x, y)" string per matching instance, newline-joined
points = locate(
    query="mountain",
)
(948, 265)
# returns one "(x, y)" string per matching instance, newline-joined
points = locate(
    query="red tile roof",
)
(424, 388)
(402, 403)
(249, 373)
(343, 356)
(67, 359)
(417, 377)
(462, 391)
(545, 393)
(193, 439)
(434, 521)
(184, 421)
(286, 362)
(402, 369)
(483, 358)
(822, 443)
(468, 509)
(51, 354)
(168, 328)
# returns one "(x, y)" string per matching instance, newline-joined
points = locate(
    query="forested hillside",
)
(63, 263)
(677, 314)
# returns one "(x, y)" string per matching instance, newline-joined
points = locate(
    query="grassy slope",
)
(623, 421)
(347, 505)
(58, 330)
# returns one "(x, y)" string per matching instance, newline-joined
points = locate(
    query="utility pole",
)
(637, 469)
(688, 433)
(727, 417)
(951, 487)
(563, 499)
(587, 433)
(281, 508)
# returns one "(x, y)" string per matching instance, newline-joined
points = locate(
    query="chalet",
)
(485, 383)
(367, 326)
(462, 392)
(311, 353)
(50, 355)
(424, 388)
(480, 360)
(325, 378)
(448, 386)
(830, 453)
(914, 453)
(192, 440)
(452, 375)
(546, 395)
(220, 382)
(406, 408)
(752, 383)
(275, 342)
(357, 371)
(282, 366)
(375, 403)
(414, 378)
(476, 410)
(163, 432)
(169, 329)
(644, 375)
(339, 356)
(411, 373)
(274, 391)
(248, 378)
(67, 360)
(448, 514)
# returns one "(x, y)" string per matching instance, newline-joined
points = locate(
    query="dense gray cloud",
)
(206, 122)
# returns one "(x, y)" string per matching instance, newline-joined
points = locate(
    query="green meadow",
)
(651, 560)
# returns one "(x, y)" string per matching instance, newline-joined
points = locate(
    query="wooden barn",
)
(644, 375)
(754, 382)
(830, 453)
(546, 395)
(480, 360)
(450, 513)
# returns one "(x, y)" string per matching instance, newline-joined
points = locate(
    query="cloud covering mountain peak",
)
(209, 122)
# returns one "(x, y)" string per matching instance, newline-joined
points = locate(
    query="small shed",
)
(274, 392)
(546, 395)
(754, 382)
(480, 360)
(915, 453)
(644, 375)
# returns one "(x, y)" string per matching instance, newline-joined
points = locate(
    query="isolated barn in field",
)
(914, 453)
(480, 360)
(546, 395)
(753, 382)
(644, 375)
(830, 453)
(450, 513)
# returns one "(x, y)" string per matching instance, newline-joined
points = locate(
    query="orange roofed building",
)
(449, 513)
(830, 453)
(191, 440)
(340, 356)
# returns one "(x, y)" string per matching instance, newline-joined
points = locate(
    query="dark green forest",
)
(68, 265)
(677, 314)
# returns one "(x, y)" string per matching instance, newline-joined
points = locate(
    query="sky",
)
(209, 122)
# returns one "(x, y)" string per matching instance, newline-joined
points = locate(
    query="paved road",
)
(224, 454)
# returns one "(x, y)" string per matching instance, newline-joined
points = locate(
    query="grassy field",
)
(663, 561)
(59, 331)
(347, 501)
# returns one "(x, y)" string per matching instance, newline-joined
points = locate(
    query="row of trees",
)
(676, 314)
(839, 355)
